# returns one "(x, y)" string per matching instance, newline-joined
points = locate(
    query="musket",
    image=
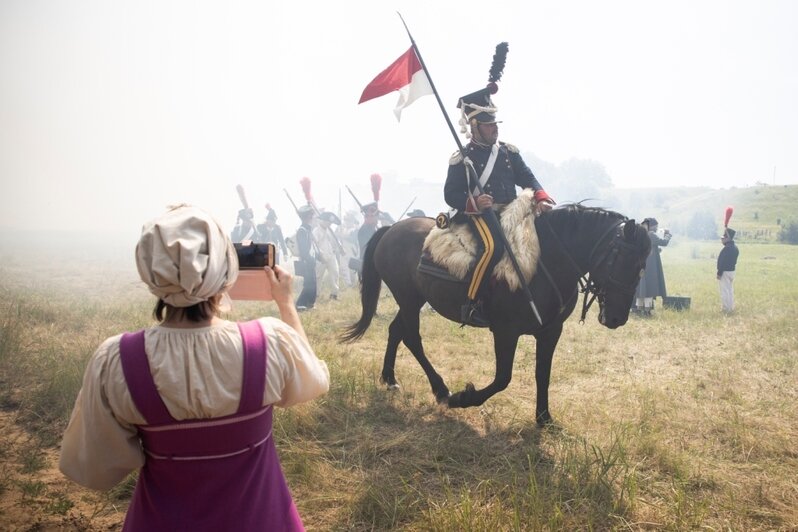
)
(407, 208)
(473, 178)
(296, 209)
(354, 198)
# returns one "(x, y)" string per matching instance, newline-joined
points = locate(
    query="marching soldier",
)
(371, 216)
(269, 231)
(328, 248)
(499, 168)
(306, 265)
(245, 227)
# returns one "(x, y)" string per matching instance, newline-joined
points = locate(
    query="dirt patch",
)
(34, 495)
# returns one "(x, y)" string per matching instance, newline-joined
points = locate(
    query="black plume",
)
(499, 58)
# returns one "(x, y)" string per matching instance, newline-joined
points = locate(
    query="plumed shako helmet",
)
(477, 107)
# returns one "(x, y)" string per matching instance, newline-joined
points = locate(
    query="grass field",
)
(687, 420)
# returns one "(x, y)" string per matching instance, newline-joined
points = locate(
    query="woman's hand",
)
(281, 284)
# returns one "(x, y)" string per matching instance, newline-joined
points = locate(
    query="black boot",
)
(471, 314)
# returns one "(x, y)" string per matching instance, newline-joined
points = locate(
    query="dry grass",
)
(686, 420)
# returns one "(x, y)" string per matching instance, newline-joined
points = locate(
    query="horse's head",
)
(616, 267)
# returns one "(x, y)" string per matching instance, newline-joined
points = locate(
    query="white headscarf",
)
(185, 257)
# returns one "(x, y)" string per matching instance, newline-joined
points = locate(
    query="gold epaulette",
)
(456, 158)
(510, 147)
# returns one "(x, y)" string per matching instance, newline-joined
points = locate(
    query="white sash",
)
(494, 152)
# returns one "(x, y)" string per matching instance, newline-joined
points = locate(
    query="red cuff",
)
(540, 195)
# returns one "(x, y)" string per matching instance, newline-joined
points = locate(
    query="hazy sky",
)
(109, 111)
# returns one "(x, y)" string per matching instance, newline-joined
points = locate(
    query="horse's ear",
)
(629, 229)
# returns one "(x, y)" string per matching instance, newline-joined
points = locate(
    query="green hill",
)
(759, 211)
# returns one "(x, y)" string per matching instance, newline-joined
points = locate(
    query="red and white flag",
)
(404, 75)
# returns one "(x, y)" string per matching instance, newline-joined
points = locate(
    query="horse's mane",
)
(576, 213)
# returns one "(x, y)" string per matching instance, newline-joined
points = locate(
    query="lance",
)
(407, 208)
(472, 178)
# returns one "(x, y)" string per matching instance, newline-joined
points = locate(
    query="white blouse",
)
(198, 374)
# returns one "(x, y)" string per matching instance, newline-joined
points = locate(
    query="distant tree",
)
(573, 180)
(789, 233)
(584, 178)
(702, 226)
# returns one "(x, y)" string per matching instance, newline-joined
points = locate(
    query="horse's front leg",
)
(504, 344)
(546, 342)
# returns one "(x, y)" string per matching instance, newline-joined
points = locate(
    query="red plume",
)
(729, 211)
(268, 207)
(305, 182)
(376, 183)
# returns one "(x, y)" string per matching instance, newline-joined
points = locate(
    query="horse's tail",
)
(370, 286)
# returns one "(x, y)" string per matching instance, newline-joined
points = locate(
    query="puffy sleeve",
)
(98, 450)
(295, 374)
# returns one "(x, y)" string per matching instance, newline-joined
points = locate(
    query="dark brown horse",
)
(599, 250)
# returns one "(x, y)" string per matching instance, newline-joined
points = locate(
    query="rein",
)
(586, 285)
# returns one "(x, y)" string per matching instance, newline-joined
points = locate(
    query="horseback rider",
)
(499, 168)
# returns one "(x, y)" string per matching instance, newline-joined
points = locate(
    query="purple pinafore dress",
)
(208, 474)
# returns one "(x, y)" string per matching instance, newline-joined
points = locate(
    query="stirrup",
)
(471, 314)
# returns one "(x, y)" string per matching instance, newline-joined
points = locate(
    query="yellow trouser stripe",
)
(482, 265)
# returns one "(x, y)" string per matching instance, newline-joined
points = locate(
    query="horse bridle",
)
(586, 284)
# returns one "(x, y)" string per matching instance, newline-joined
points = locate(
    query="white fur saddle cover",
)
(455, 247)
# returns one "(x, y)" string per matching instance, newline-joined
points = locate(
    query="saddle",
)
(451, 253)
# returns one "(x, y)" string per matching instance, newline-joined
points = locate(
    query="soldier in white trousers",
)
(727, 264)
(327, 268)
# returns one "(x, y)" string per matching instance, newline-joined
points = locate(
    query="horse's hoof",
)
(544, 419)
(443, 398)
(394, 386)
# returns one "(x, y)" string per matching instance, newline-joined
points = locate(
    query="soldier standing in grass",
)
(328, 246)
(308, 255)
(269, 231)
(727, 264)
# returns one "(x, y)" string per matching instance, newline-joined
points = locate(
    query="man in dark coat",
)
(269, 231)
(500, 168)
(306, 265)
(727, 264)
(245, 227)
(652, 284)
(371, 216)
